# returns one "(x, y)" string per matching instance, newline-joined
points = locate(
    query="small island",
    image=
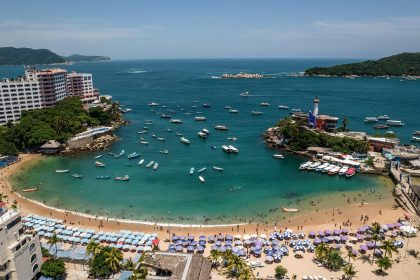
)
(86, 58)
(404, 64)
(242, 75)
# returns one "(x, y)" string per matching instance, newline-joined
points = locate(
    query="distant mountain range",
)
(28, 56)
(396, 65)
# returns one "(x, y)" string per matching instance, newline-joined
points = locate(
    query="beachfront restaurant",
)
(51, 147)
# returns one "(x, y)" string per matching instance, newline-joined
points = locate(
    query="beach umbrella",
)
(228, 242)
(229, 237)
(337, 232)
(327, 232)
(242, 253)
(220, 237)
(202, 237)
(200, 249)
(238, 236)
(325, 240)
(140, 249)
(179, 248)
(269, 259)
(215, 247)
(360, 237)
(247, 242)
(147, 248)
(337, 238)
(179, 242)
(275, 242)
(202, 242)
(276, 248)
(263, 235)
(156, 242)
(312, 234)
(246, 237)
(191, 238)
(218, 243)
(222, 249)
(228, 247)
(321, 233)
(238, 242)
(361, 230)
(211, 239)
(344, 238)
(384, 227)
(317, 241)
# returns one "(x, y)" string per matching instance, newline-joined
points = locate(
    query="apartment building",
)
(81, 85)
(17, 95)
(20, 253)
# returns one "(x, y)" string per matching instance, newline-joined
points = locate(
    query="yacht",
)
(133, 155)
(120, 154)
(144, 142)
(343, 170)
(383, 117)
(175, 121)
(230, 149)
(141, 161)
(217, 168)
(221, 127)
(321, 167)
(334, 170)
(228, 107)
(202, 170)
(283, 107)
(184, 140)
(233, 111)
(279, 156)
(415, 139)
(200, 118)
(380, 126)
(192, 171)
(201, 134)
(416, 133)
(206, 105)
(244, 94)
(350, 172)
(394, 123)
(328, 168)
(161, 139)
(99, 164)
(201, 178)
(314, 165)
(153, 104)
(305, 165)
(206, 131)
(165, 152)
(256, 113)
(155, 166)
(103, 177)
(150, 164)
(371, 120)
(179, 134)
(123, 178)
(62, 170)
(164, 116)
(264, 104)
(98, 156)
(232, 138)
(142, 132)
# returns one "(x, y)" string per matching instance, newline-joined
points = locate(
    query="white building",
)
(17, 95)
(20, 253)
(81, 85)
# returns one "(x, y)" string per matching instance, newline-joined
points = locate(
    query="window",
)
(4, 266)
(33, 257)
(15, 221)
(35, 268)
(32, 247)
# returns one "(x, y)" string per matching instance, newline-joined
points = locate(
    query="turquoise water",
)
(252, 182)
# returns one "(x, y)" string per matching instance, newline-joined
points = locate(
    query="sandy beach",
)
(348, 215)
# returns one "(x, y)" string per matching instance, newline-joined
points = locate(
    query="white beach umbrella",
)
(237, 236)
(246, 237)
(263, 235)
(254, 235)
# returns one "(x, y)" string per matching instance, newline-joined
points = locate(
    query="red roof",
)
(2, 204)
(155, 242)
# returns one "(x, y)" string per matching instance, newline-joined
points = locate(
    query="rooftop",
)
(52, 144)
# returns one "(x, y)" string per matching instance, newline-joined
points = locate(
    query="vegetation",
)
(139, 274)
(233, 266)
(349, 271)
(27, 56)
(330, 257)
(53, 240)
(299, 138)
(396, 65)
(280, 272)
(54, 268)
(58, 123)
(383, 264)
(78, 57)
(105, 261)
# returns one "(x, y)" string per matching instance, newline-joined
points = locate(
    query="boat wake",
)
(134, 71)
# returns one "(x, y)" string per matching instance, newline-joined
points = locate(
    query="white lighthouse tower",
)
(316, 102)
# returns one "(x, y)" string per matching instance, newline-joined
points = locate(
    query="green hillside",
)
(78, 57)
(27, 56)
(396, 65)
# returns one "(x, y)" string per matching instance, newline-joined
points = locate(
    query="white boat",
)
(192, 171)
(175, 121)
(218, 168)
(290, 210)
(169, 130)
(153, 104)
(141, 161)
(77, 176)
(229, 149)
(394, 123)
(328, 168)
(154, 136)
(148, 123)
(279, 156)
(62, 170)
(150, 164)
(200, 118)
(314, 165)
(161, 139)
(264, 104)
(202, 170)
(133, 155)
(383, 117)
(416, 133)
(144, 142)
(142, 132)
(228, 107)
(164, 116)
(165, 152)
(343, 170)
(179, 134)
(184, 140)
(120, 154)
(232, 138)
(283, 107)
(98, 156)
(304, 165)
(206, 131)
(202, 134)
(123, 178)
(155, 166)
(415, 139)
(296, 110)
(244, 94)
(221, 127)
(321, 167)
(233, 111)
(371, 120)
(334, 170)
(256, 113)
(201, 178)
(99, 164)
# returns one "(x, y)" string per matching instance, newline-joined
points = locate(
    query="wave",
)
(134, 71)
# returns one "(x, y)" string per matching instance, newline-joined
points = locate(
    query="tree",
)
(139, 274)
(349, 271)
(129, 265)
(375, 231)
(53, 240)
(333, 260)
(389, 247)
(98, 267)
(280, 272)
(93, 248)
(2, 196)
(54, 268)
(215, 258)
(113, 259)
(349, 254)
(321, 251)
(383, 263)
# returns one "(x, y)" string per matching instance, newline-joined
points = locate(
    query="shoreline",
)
(309, 218)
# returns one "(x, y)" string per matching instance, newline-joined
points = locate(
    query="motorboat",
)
(350, 172)
(417, 132)
(206, 105)
(221, 127)
(122, 178)
(144, 142)
(150, 164)
(154, 136)
(30, 190)
(314, 165)
(175, 121)
(380, 126)
(99, 164)
(295, 110)
(184, 140)
(383, 117)
(206, 131)
(62, 170)
(179, 134)
(120, 154)
(98, 156)
(164, 116)
(142, 132)
(202, 170)
(161, 139)
(343, 170)
(371, 120)
(328, 168)
(228, 107)
(153, 104)
(133, 155)
(321, 167)
(141, 161)
(334, 170)
(77, 175)
(148, 123)
(200, 118)
(264, 104)
(283, 107)
(415, 139)
(230, 149)
(233, 111)
(192, 171)
(169, 130)
(244, 94)
(201, 178)
(279, 156)
(217, 168)
(394, 123)
(165, 152)
(232, 138)
(155, 166)
(202, 134)
(289, 210)
(103, 177)
(256, 113)
(305, 165)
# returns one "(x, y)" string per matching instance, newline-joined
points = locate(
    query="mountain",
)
(396, 65)
(78, 57)
(28, 56)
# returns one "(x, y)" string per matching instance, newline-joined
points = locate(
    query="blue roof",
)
(125, 275)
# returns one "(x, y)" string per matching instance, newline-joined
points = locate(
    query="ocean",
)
(253, 185)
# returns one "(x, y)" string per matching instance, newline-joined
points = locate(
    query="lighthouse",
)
(316, 102)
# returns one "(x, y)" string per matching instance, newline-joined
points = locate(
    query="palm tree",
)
(383, 264)
(321, 251)
(349, 271)
(53, 240)
(334, 260)
(246, 274)
(349, 254)
(215, 258)
(375, 230)
(113, 259)
(93, 248)
(389, 247)
(345, 123)
(2, 196)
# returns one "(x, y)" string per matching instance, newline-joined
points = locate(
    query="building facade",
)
(20, 253)
(81, 85)
(17, 95)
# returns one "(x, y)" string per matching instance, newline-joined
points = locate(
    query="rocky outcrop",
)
(100, 143)
(273, 138)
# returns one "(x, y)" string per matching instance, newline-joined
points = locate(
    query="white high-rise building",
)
(20, 253)
(81, 85)
(17, 95)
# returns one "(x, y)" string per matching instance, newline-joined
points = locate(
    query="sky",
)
(138, 29)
